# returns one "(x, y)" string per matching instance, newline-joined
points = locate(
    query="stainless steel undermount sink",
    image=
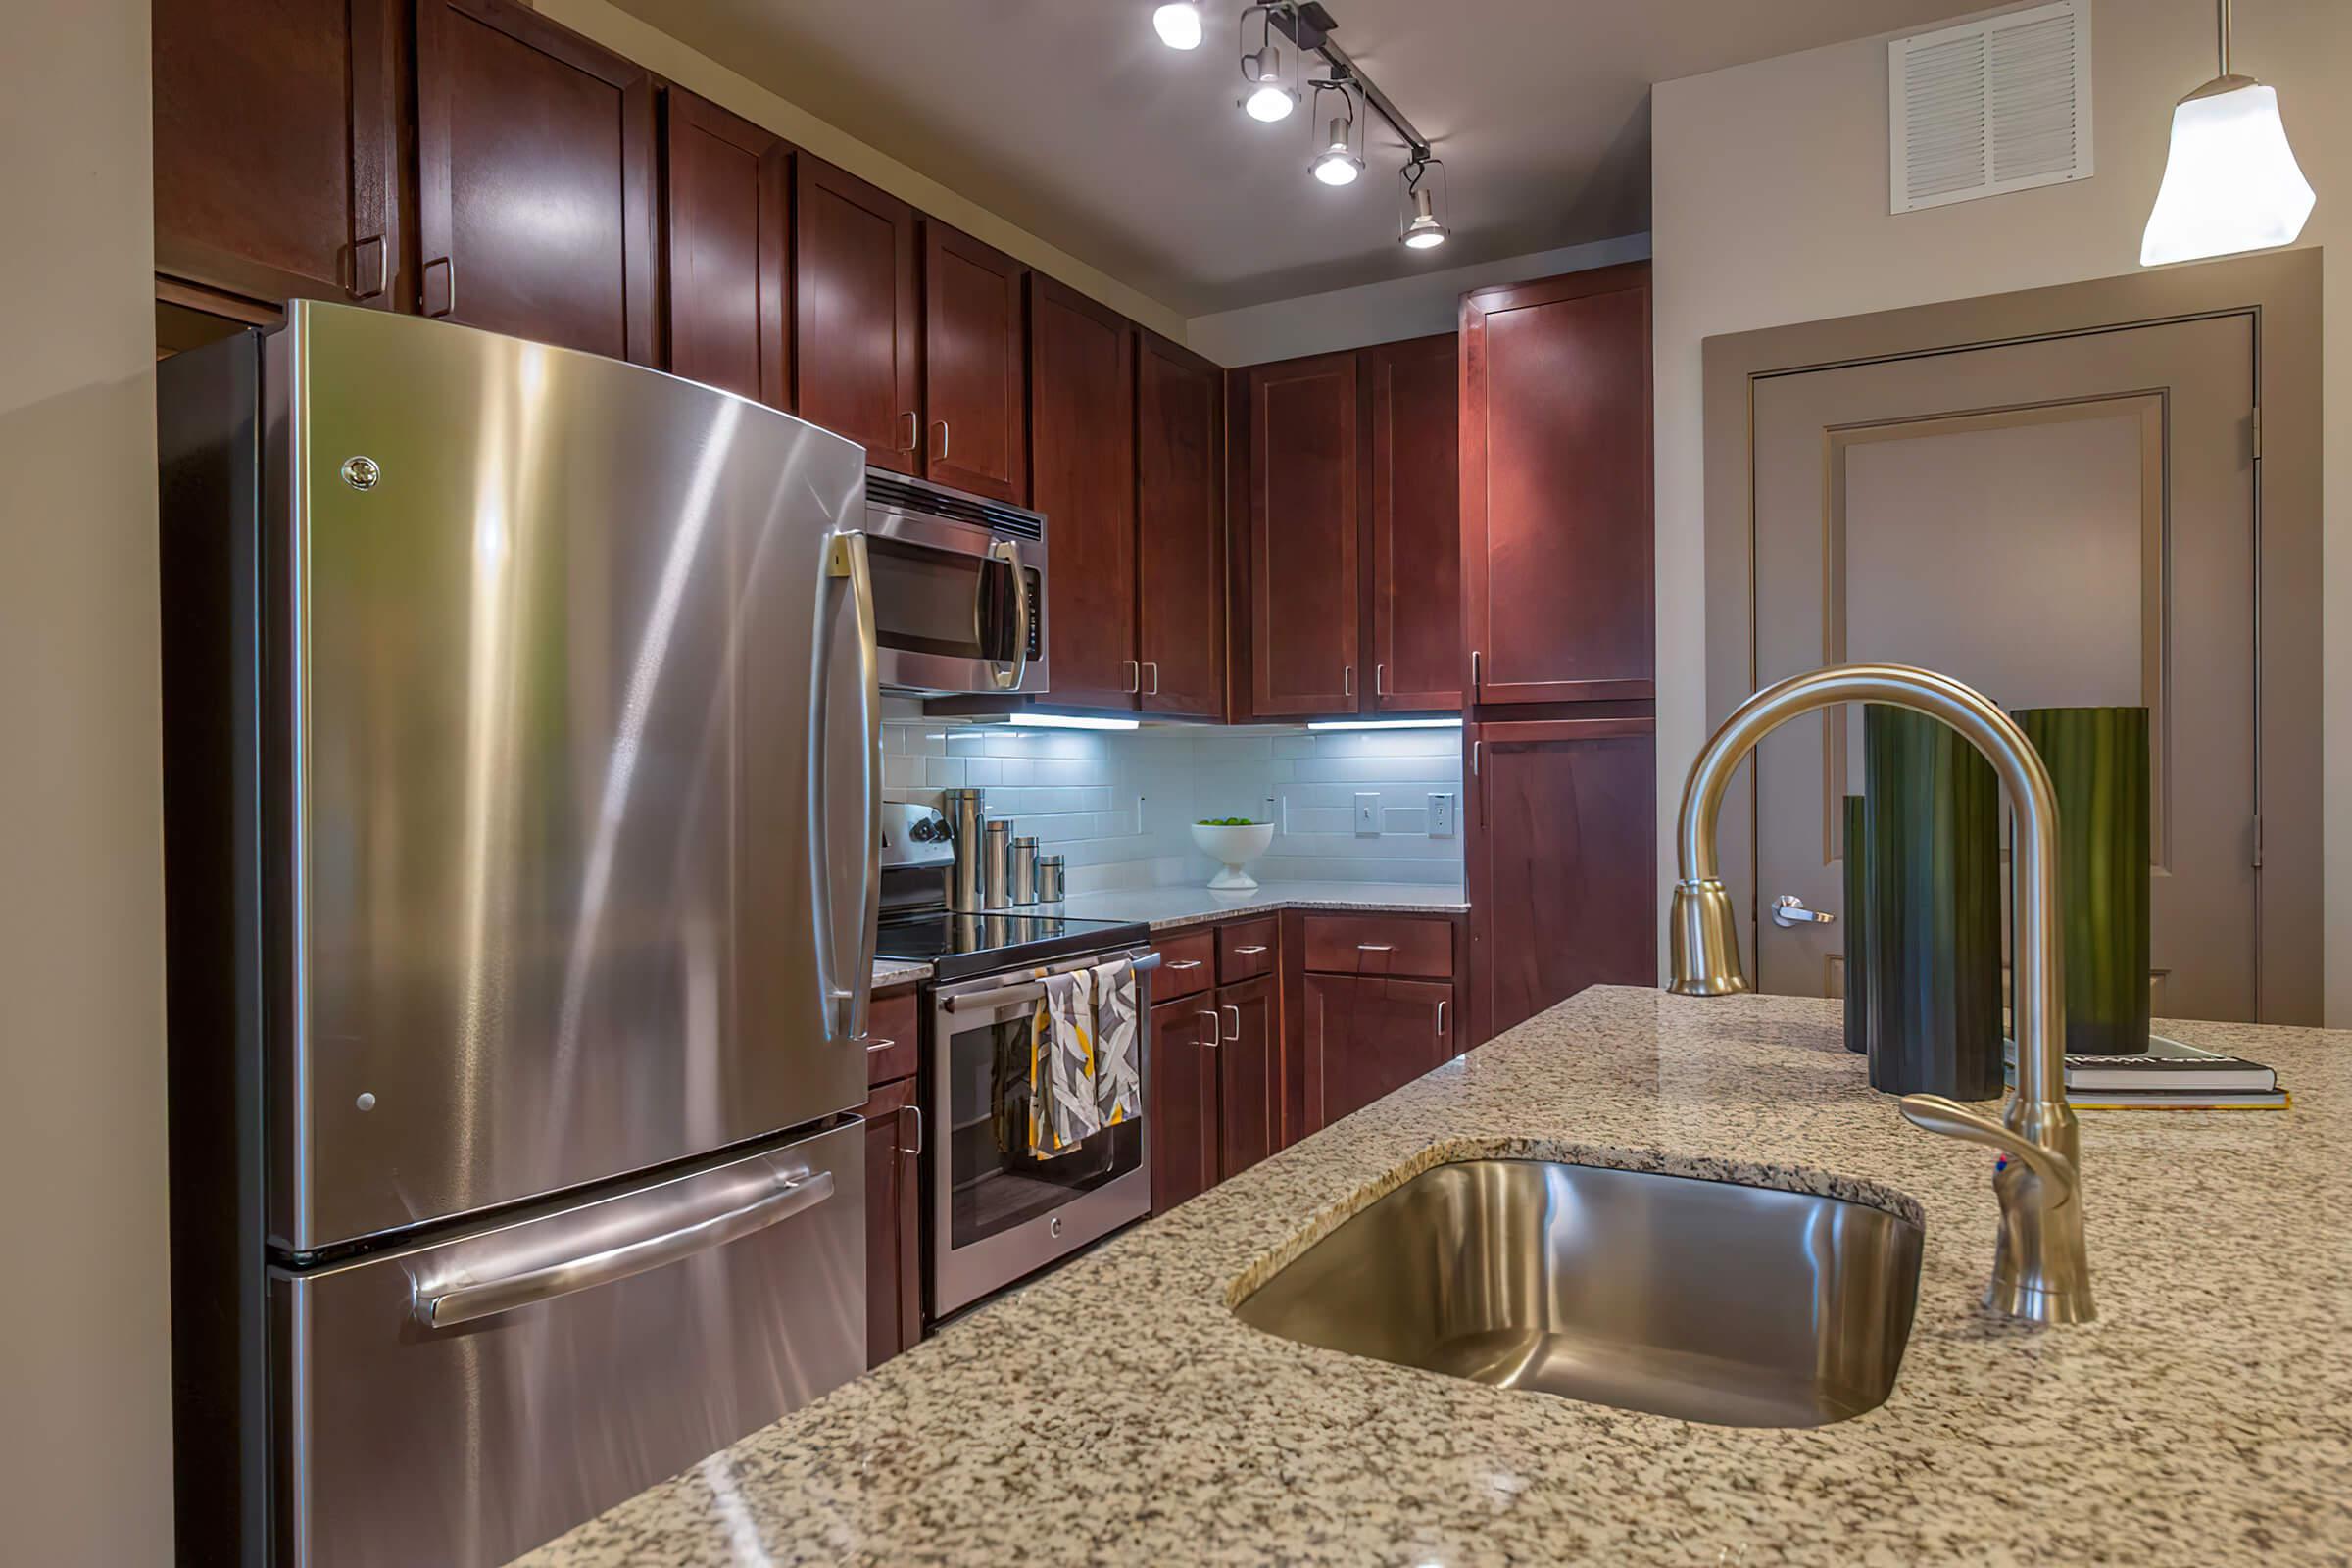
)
(1743, 1306)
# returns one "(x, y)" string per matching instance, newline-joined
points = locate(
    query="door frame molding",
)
(2280, 291)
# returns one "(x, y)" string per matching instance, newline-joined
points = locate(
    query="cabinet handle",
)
(383, 266)
(1134, 677)
(1237, 1021)
(1475, 748)
(1375, 946)
(1440, 1017)
(1347, 680)
(942, 453)
(1380, 680)
(1209, 1039)
(1189, 963)
(1474, 671)
(915, 432)
(449, 284)
(1252, 951)
(872, 1046)
(916, 1111)
(1153, 689)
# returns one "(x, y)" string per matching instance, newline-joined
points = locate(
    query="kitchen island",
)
(1117, 1412)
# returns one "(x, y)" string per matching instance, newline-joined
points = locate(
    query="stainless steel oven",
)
(959, 589)
(997, 1213)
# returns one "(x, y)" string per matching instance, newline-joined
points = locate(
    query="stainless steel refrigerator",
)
(521, 809)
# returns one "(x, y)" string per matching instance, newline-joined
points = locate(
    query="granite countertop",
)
(899, 972)
(1168, 908)
(1116, 1412)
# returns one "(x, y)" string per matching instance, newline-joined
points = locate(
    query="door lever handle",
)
(1790, 910)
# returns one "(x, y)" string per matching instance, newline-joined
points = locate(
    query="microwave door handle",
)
(791, 1193)
(1007, 551)
(845, 939)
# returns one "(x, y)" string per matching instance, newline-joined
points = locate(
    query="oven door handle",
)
(1013, 991)
(1007, 551)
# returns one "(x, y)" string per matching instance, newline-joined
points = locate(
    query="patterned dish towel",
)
(1085, 1069)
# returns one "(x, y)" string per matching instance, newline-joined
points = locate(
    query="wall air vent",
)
(1992, 106)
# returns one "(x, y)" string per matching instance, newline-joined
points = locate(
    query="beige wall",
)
(665, 56)
(1769, 208)
(85, 1361)
(1419, 305)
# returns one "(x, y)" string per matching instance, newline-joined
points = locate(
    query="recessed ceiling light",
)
(1177, 25)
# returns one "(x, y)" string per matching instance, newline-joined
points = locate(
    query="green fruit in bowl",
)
(1231, 821)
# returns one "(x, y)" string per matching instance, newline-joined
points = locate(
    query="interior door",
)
(535, 180)
(1304, 473)
(973, 392)
(728, 242)
(856, 355)
(1180, 535)
(2066, 522)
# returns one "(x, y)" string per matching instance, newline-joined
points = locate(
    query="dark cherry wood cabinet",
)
(857, 348)
(727, 248)
(1413, 536)
(1367, 1035)
(276, 147)
(1082, 477)
(974, 370)
(1562, 863)
(1183, 1103)
(1555, 488)
(1180, 530)
(1305, 469)
(535, 180)
(894, 1222)
(1249, 1070)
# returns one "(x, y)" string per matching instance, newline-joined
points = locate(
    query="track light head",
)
(1424, 228)
(1178, 23)
(1337, 164)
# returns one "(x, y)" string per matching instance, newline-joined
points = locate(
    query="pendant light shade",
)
(2230, 182)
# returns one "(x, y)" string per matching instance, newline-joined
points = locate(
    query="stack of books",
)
(2172, 1076)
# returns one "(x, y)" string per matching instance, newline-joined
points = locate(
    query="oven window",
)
(943, 602)
(995, 1183)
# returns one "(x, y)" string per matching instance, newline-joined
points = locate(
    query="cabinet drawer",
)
(894, 1037)
(1245, 948)
(1184, 964)
(1379, 944)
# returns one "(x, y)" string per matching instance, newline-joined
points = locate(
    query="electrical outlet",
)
(1367, 814)
(1441, 815)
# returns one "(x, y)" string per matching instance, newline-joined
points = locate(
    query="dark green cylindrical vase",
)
(2098, 761)
(1857, 927)
(1932, 862)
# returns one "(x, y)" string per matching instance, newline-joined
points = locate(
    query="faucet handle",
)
(1941, 1115)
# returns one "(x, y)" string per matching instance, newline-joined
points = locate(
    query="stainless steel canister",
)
(964, 809)
(1048, 879)
(996, 867)
(1024, 870)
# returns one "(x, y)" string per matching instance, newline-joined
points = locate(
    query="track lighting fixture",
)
(1423, 220)
(1271, 96)
(1337, 161)
(1178, 23)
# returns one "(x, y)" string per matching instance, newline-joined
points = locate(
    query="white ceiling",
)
(1070, 119)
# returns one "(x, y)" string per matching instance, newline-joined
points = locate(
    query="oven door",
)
(997, 1212)
(957, 608)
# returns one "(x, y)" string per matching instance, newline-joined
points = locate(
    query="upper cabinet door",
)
(856, 355)
(728, 247)
(1306, 459)
(1180, 529)
(535, 180)
(973, 392)
(1555, 452)
(1416, 537)
(275, 150)
(1082, 477)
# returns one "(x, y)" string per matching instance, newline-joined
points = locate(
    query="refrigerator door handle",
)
(845, 979)
(793, 1192)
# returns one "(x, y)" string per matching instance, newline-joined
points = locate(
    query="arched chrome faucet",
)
(2040, 1269)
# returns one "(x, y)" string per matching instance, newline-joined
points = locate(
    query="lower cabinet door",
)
(1248, 1056)
(894, 1222)
(1366, 1035)
(1182, 1110)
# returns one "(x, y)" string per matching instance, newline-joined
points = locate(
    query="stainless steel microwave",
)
(959, 589)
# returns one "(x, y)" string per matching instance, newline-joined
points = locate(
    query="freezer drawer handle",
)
(463, 1304)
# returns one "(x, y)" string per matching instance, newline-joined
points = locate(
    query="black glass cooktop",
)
(957, 946)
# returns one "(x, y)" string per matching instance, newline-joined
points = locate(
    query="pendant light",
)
(1271, 97)
(1423, 223)
(1177, 25)
(2230, 182)
(1337, 161)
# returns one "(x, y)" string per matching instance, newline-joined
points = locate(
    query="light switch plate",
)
(1367, 814)
(1441, 815)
